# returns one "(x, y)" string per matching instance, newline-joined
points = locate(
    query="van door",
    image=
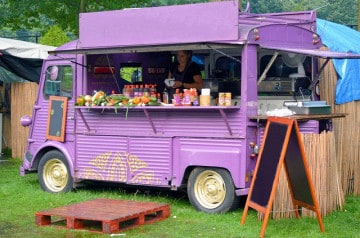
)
(56, 79)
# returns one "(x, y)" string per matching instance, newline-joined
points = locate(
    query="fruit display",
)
(99, 98)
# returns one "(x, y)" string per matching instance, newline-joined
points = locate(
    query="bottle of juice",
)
(177, 98)
(131, 90)
(126, 91)
(153, 90)
(196, 99)
(136, 91)
(186, 98)
(146, 91)
(165, 96)
(141, 90)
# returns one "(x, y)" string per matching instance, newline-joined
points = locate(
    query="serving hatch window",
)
(228, 72)
(199, 59)
(226, 67)
(284, 68)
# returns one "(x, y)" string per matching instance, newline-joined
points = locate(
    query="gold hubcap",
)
(210, 189)
(55, 175)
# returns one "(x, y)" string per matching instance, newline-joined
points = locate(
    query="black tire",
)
(54, 173)
(212, 190)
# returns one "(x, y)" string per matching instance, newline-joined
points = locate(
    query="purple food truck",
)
(261, 60)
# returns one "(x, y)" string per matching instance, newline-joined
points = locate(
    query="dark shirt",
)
(186, 76)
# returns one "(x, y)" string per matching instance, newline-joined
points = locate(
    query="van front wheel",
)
(212, 190)
(54, 173)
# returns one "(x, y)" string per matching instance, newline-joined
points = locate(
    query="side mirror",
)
(25, 121)
(54, 73)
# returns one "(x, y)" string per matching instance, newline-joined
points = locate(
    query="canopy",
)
(341, 38)
(22, 60)
(316, 52)
(24, 49)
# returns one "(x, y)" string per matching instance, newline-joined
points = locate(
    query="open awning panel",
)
(326, 54)
(178, 24)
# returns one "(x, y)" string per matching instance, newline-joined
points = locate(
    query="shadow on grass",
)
(133, 190)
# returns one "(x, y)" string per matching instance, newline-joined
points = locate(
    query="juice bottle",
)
(177, 98)
(153, 90)
(136, 91)
(146, 91)
(165, 96)
(141, 91)
(186, 98)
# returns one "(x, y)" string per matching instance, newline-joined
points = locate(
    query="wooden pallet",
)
(104, 215)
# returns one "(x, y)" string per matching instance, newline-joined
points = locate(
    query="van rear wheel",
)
(54, 173)
(212, 190)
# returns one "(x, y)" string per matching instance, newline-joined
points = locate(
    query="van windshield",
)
(58, 81)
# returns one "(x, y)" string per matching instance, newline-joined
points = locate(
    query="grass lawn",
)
(22, 197)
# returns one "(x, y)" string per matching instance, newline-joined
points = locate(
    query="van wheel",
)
(54, 173)
(212, 190)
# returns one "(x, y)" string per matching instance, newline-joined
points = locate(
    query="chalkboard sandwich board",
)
(281, 145)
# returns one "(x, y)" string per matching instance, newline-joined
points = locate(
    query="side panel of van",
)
(132, 160)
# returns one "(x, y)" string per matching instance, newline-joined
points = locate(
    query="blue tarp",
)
(341, 38)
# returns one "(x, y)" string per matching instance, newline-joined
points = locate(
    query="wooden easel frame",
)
(56, 103)
(289, 158)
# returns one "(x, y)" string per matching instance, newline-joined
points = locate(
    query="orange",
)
(145, 99)
(80, 101)
(99, 94)
(136, 100)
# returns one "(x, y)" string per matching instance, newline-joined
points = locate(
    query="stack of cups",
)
(205, 97)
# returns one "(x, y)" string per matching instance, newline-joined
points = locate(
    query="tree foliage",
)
(339, 11)
(55, 37)
(45, 13)
(41, 14)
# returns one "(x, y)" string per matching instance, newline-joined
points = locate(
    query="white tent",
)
(21, 60)
(24, 49)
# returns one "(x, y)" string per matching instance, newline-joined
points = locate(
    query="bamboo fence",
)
(23, 96)
(347, 132)
(6, 133)
(325, 176)
(325, 173)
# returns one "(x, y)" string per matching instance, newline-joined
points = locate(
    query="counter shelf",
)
(304, 117)
(226, 108)
(222, 110)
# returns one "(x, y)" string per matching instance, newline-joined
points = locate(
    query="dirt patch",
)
(6, 228)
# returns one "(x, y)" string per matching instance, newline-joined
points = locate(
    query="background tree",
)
(55, 37)
(41, 14)
(45, 13)
(339, 11)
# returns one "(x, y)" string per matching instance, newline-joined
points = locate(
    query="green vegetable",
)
(151, 103)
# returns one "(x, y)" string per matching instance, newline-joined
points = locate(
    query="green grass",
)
(22, 197)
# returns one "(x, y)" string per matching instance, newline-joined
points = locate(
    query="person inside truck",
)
(185, 72)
